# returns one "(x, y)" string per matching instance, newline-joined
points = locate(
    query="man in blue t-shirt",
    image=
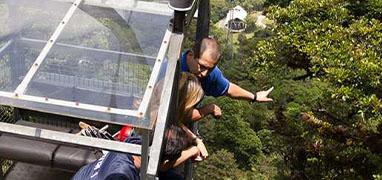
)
(204, 66)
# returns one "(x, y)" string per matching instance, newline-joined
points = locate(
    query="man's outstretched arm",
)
(236, 92)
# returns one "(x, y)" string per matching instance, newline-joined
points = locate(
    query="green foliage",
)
(232, 130)
(281, 3)
(324, 59)
(369, 8)
(339, 55)
(220, 165)
(347, 57)
(219, 10)
(251, 5)
(268, 167)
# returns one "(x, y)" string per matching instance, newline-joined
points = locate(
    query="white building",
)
(235, 19)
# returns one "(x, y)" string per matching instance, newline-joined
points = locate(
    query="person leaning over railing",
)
(204, 66)
(114, 165)
(181, 143)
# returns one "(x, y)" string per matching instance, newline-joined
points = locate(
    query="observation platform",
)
(93, 60)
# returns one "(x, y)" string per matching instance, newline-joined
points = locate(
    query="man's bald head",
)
(210, 46)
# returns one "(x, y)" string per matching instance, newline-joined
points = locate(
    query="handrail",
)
(66, 138)
(170, 87)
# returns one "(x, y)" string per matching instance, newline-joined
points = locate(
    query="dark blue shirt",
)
(214, 84)
(111, 166)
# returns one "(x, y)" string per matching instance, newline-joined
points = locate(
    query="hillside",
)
(324, 60)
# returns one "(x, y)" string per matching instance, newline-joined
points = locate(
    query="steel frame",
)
(41, 57)
(5, 47)
(67, 138)
(150, 155)
(20, 90)
(154, 74)
(132, 5)
(168, 100)
(103, 52)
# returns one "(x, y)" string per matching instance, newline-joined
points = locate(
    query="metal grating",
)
(6, 114)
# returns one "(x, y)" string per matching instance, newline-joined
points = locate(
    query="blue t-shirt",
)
(214, 84)
(111, 166)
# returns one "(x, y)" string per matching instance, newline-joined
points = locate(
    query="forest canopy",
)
(324, 59)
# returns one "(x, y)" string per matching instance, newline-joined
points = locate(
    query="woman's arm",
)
(186, 154)
(198, 141)
(197, 114)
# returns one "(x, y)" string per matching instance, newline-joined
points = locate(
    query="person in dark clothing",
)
(181, 143)
(123, 166)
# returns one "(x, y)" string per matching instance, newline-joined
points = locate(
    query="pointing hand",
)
(261, 96)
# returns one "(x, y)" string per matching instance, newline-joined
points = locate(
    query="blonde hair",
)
(190, 93)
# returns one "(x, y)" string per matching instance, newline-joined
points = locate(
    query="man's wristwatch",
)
(254, 97)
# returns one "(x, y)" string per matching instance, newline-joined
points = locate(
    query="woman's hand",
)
(202, 148)
(194, 150)
(215, 110)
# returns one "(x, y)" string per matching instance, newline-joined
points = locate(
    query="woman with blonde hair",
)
(190, 94)
(181, 144)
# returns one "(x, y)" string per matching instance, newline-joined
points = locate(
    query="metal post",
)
(167, 106)
(190, 14)
(145, 153)
(203, 24)
(70, 139)
(178, 26)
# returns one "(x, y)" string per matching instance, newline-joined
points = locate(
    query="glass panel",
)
(92, 77)
(20, 20)
(116, 30)
(152, 111)
(104, 57)
(5, 74)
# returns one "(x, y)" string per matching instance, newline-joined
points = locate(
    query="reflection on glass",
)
(104, 56)
(21, 19)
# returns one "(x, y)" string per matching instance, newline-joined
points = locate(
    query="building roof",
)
(236, 13)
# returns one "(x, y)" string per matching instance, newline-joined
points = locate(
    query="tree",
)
(219, 10)
(334, 47)
(233, 133)
(220, 165)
